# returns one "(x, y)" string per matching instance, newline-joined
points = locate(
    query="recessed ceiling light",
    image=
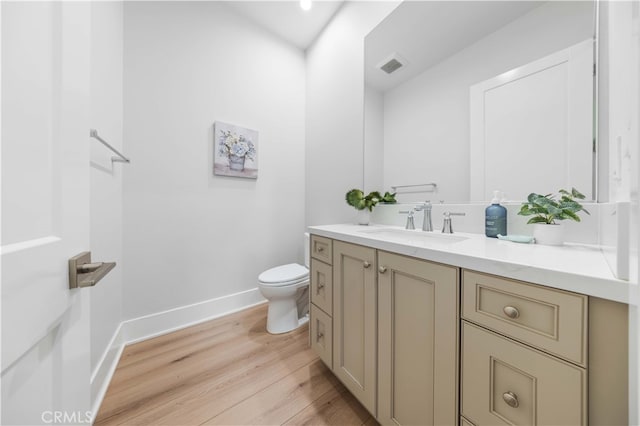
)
(305, 4)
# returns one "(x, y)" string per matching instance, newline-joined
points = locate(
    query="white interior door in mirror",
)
(535, 123)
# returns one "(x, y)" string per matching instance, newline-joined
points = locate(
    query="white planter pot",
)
(363, 217)
(236, 163)
(549, 235)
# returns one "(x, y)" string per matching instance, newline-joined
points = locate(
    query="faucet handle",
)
(446, 224)
(448, 214)
(410, 223)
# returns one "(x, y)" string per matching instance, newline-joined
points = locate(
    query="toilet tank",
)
(306, 249)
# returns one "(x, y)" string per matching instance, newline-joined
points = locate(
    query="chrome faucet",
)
(446, 224)
(427, 225)
(410, 223)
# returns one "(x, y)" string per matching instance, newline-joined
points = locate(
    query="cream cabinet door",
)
(354, 320)
(507, 383)
(417, 341)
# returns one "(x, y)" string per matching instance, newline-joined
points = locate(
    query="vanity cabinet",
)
(354, 320)
(417, 341)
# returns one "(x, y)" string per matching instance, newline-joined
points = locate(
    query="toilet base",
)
(282, 317)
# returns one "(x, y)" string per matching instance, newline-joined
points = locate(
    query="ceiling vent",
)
(393, 63)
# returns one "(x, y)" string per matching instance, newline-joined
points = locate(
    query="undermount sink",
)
(415, 236)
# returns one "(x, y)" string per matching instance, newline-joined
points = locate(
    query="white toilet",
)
(286, 287)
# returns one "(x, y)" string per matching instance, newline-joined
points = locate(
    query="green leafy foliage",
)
(357, 199)
(551, 208)
(388, 198)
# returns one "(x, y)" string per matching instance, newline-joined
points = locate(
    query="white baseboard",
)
(102, 374)
(148, 326)
(153, 325)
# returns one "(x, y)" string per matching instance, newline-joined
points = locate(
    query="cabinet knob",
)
(511, 312)
(320, 287)
(319, 336)
(366, 264)
(320, 249)
(382, 269)
(511, 399)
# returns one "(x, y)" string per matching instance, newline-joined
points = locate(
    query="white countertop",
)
(572, 267)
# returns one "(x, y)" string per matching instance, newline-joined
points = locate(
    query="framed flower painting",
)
(235, 151)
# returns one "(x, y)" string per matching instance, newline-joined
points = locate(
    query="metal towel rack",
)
(433, 188)
(120, 157)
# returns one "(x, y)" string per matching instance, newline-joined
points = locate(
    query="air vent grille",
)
(391, 66)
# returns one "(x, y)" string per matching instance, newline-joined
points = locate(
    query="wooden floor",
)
(228, 371)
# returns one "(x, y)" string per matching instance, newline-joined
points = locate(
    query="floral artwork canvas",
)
(235, 151)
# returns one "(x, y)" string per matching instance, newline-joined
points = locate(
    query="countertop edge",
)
(609, 288)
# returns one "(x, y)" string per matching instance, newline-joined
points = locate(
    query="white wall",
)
(622, 31)
(335, 99)
(426, 128)
(622, 84)
(106, 187)
(190, 236)
(374, 135)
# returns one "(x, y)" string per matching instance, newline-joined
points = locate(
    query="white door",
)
(45, 211)
(535, 122)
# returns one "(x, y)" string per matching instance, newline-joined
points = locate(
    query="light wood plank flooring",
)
(228, 371)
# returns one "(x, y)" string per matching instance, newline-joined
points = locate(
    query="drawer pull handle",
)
(511, 312)
(319, 336)
(382, 269)
(511, 399)
(320, 249)
(366, 264)
(320, 287)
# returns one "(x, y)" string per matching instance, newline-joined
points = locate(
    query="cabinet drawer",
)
(552, 320)
(322, 285)
(321, 249)
(504, 382)
(322, 335)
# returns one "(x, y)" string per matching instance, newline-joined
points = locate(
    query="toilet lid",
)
(284, 274)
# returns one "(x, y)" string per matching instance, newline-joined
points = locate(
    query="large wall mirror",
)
(477, 96)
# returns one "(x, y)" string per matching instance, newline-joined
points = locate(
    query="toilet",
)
(286, 287)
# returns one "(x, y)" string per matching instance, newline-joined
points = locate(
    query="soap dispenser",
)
(495, 218)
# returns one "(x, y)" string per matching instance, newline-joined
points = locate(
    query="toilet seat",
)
(284, 275)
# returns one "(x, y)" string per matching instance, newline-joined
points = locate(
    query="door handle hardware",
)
(382, 269)
(320, 249)
(83, 273)
(511, 399)
(366, 264)
(319, 336)
(320, 286)
(89, 267)
(511, 312)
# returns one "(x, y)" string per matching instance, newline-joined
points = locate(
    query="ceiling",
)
(423, 33)
(287, 20)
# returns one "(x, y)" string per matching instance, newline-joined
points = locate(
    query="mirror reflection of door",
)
(535, 123)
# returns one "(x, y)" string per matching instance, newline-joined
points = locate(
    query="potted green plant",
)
(549, 211)
(364, 204)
